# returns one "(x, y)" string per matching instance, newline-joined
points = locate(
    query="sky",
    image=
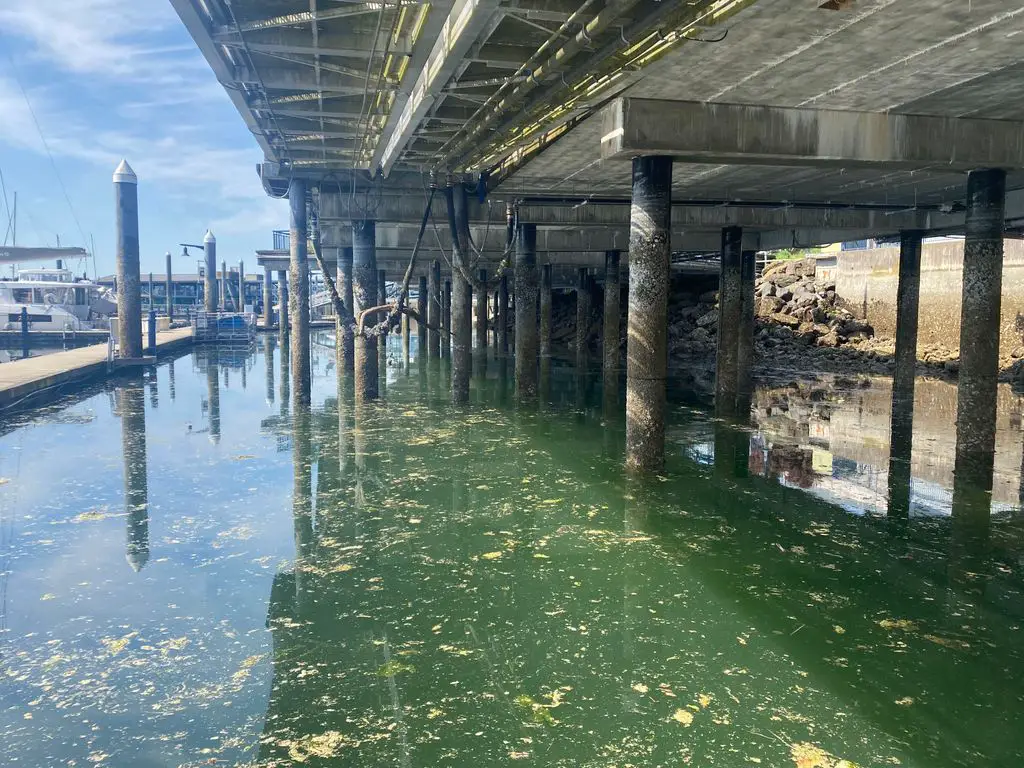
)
(112, 79)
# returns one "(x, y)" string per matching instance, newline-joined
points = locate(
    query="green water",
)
(410, 584)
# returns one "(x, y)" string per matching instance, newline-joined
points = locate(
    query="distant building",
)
(189, 294)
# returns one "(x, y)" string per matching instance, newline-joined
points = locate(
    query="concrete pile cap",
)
(124, 174)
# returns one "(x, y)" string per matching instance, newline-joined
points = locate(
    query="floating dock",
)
(23, 379)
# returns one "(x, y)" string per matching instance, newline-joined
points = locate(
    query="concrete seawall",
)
(866, 285)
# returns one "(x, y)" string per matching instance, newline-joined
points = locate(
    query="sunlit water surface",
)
(193, 575)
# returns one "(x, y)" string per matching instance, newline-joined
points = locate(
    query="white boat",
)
(55, 300)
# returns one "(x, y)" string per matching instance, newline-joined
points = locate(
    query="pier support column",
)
(745, 338)
(494, 325)
(169, 288)
(347, 357)
(268, 298)
(282, 307)
(545, 311)
(526, 287)
(382, 340)
(298, 285)
(224, 286)
(434, 312)
(979, 339)
(462, 296)
(647, 337)
(503, 314)
(241, 286)
(150, 301)
(421, 324)
(901, 416)
(364, 296)
(481, 314)
(210, 298)
(582, 318)
(129, 291)
(446, 321)
(610, 321)
(405, 341)
(729, 313)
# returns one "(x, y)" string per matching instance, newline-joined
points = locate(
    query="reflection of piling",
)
(170, 375)
(213, 392)
(169, 288)
(526, 318)
(406, 333)
(268, 298)
(302, 500)
(268, 362)
(646, 351)
(284, 385)
(132, 402)
(129, 291)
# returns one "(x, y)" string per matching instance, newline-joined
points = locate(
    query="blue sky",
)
(122, 78)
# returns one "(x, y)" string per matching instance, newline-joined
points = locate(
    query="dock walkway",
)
(22, 378)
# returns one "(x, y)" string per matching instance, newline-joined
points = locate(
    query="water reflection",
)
(131, 406)
(465, 587)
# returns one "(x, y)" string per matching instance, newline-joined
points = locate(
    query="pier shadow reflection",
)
(130, 400)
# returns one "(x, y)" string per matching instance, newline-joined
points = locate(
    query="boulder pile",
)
(791, 304)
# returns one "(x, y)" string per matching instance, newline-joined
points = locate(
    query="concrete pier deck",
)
(22, 378)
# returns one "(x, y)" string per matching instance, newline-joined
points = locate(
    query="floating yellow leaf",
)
(640, 688)
(905, 624)
(490, 555)
(683, 716)
(704, 700)
(48, 596)
(92, 514)
(415, 520)
(906, 701)
(519, 755)
(244, 457)
(807, 755)
(948, 642)
(839, 630)
(116, 646)
(541, 556)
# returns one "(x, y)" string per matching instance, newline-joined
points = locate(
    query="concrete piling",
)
(462, 297)
(268, 360)
(241, 286)
(745, 337)
(446, 321)
(347, 358)
(210, 288)
(434, 312)
(494, 325)
(503, 314)
(422, 336)
(979, 336)
(526, 287)
(224, 298)
(647, 338)
(129, 292)
(364, 295)
(545, 311)
(729, 313)
(298, 304)
(582, 317)
(405, 341)
(610, 321)
(481, 314)
(169, 288)
(268, 298)
(382, 340)
(282, 305)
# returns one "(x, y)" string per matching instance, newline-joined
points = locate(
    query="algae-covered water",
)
(195, 574)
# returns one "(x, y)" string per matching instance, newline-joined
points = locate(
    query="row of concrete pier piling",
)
(444, 310)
